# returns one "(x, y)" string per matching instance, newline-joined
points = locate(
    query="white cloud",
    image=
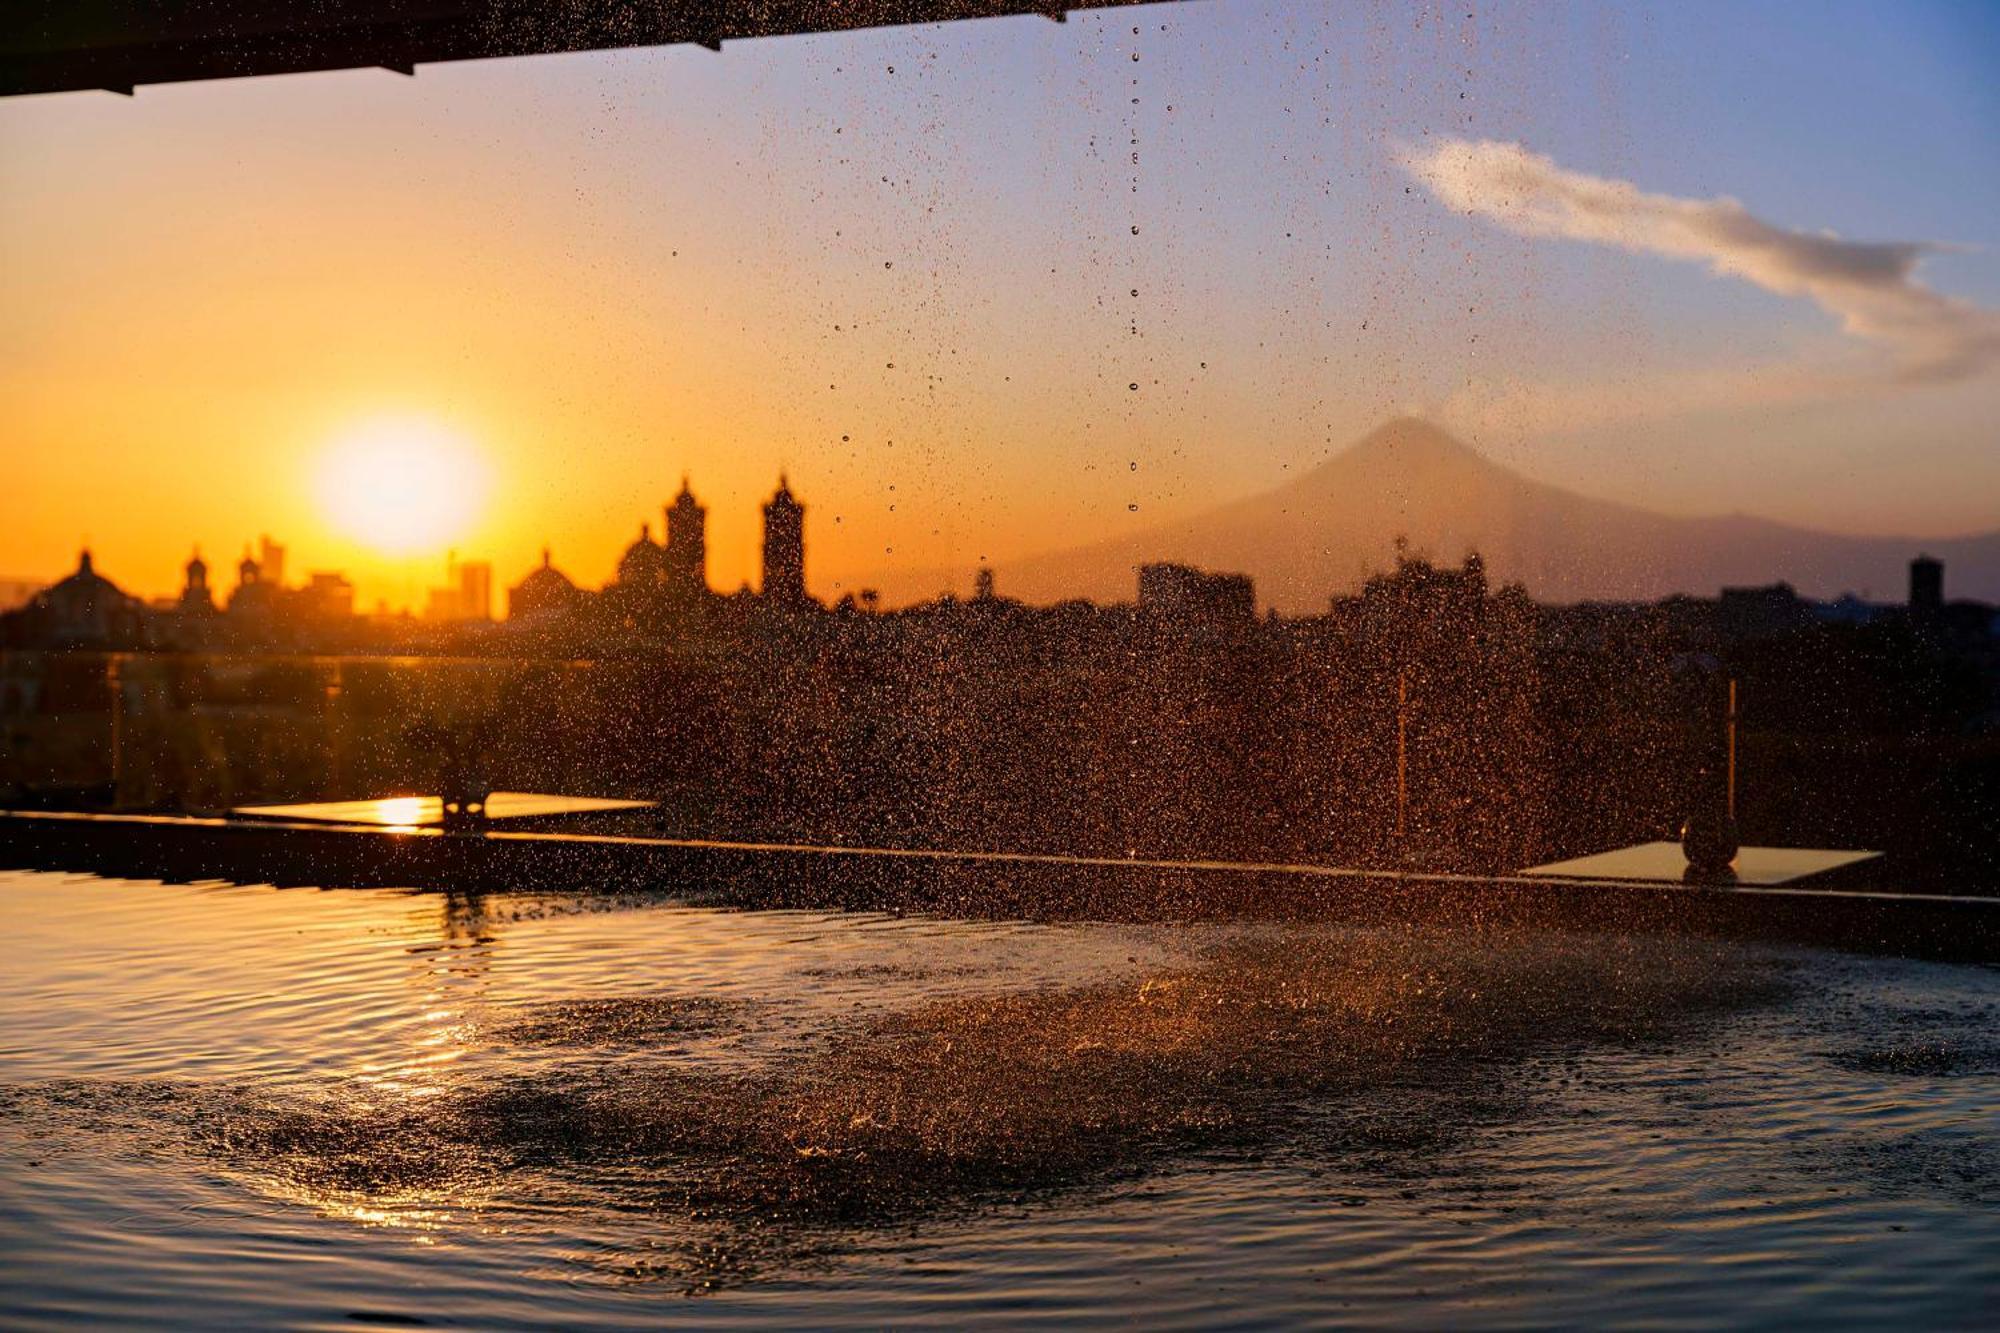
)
(1871, 287)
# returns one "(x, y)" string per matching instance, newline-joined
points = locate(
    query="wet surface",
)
(248, 1105)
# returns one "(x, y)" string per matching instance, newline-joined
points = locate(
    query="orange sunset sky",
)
(903, 266)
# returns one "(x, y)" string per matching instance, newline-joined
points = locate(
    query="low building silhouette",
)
(545, 592)
(1195, 596)
(1756, 612)
(327, 596)
(82, 610)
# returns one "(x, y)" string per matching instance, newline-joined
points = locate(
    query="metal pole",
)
(1732, 749)
(331, 721)
(117, 689)
(1402, 753)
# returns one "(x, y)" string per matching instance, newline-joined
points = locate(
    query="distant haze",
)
(16, 592)
(1325, 532)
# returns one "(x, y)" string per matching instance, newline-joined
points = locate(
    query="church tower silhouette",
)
(784, 547)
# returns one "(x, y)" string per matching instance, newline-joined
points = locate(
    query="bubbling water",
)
(1339, 1045)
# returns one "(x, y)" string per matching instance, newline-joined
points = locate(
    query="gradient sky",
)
(901, 264)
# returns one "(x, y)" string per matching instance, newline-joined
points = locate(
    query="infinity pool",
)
(226, 1105)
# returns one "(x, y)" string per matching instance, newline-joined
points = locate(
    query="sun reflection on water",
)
(447, 974)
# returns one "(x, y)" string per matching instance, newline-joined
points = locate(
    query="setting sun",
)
(401, 485)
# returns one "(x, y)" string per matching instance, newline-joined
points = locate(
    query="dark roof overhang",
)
(49, 46)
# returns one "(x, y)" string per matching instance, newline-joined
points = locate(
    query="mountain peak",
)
(1407, 441)
(1398, 455)
(1321, 533)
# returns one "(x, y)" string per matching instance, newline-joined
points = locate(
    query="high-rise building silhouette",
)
(271, 560)
(1926, 585)
(475, 590)
(687, 544)
(467, 594)
(784, 547)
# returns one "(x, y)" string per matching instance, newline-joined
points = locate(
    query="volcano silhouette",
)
(1322, 534)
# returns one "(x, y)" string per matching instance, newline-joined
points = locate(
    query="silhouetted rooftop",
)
(66, 45)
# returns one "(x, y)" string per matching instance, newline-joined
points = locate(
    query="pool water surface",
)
(243, 1106)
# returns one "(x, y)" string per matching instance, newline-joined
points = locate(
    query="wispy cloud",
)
(1871, 287)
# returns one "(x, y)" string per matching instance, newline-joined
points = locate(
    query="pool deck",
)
(1011, 885)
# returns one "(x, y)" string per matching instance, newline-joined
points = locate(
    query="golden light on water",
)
(405, 813)
(402, 485)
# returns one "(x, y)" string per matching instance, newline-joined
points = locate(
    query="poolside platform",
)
(1666, 863)
(413, 812)
(977, 883)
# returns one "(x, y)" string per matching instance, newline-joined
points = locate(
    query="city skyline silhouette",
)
(1406, 481)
